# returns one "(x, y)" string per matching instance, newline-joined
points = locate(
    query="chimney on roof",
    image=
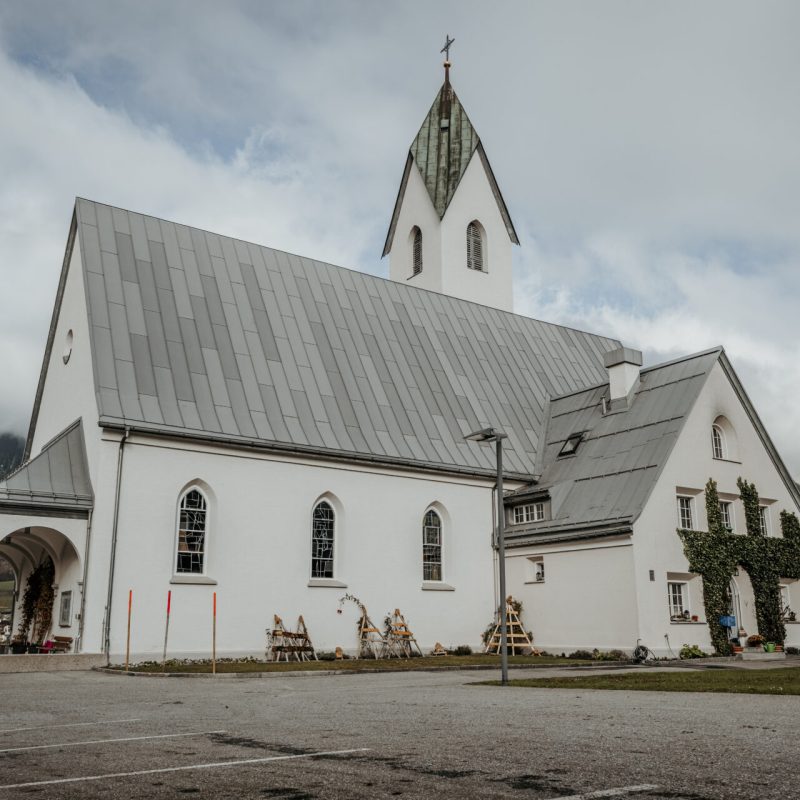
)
(623, 365)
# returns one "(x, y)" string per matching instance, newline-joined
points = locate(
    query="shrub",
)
(793, 651)
(583, 655)
(462, 650)
(692, 651)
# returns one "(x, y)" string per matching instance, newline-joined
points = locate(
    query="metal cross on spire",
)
(447, 44)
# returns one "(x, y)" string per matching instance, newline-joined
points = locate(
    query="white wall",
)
(588, 597)
(68, 392)
(444, 243)
(259, 551)
(690, 465)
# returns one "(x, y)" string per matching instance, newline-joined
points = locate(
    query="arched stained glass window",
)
(192, 530)
(322, 537)
(475, 258)
(432, 547)
(416, 251)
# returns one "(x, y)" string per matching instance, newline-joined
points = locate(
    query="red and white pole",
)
(214, 638)
(128, 642)
(166, 632)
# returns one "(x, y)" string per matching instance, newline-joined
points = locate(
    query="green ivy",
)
(752, 518)
(713, 511)
(717, 554)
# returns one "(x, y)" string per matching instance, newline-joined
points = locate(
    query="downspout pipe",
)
(114, 531)
(81, 627)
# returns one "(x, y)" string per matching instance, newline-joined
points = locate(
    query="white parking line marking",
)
(644, 787)
(183, 769)
(105, 741)
(70, 725)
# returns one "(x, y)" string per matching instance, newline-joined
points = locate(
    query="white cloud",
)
(648, 155)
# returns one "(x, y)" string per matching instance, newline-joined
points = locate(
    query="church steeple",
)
(447, 162)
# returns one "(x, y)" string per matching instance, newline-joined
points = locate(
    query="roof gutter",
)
(317, 452)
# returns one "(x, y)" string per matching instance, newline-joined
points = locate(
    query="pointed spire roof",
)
(441, 151)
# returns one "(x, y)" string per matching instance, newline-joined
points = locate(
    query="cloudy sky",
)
(649, 153)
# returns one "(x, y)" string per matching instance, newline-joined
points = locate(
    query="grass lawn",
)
(785, 680)
(428, 662)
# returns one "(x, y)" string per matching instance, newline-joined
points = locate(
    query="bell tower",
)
(450, 230)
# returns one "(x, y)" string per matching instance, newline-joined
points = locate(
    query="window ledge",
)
(686, 622)
(200, 580)
(533, 582)
(331, 583)
(729, 460)
(437, 586)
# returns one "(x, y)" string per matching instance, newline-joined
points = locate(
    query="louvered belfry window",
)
(474, 246)
(417, 252)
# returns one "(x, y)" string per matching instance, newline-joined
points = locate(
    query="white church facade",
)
(215, 417)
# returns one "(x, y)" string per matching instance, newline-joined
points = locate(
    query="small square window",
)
(685, 513)
(570, 447)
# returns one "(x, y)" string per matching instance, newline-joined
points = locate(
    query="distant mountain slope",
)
(11, 448)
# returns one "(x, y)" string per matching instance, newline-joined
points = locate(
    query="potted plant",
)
(19, 645)
(695, 618)
(756, 640)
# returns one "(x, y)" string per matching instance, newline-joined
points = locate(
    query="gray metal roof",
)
(607, 482)
(198, 334)
(57, 478)
(442, 149)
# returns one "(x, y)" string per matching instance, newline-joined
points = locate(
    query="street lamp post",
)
(485, 436)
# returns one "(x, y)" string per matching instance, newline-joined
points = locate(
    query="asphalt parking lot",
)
(415, 735)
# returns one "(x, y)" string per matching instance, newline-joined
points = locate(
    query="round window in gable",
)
(68, 346)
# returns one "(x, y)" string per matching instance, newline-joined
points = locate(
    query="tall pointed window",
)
(192, 530)
(717, 442)
(322, 534)
(416, 251)
(432, 547)
(475, 256)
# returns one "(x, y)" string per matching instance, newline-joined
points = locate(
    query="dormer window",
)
(416, 251)
(528, 512)
(475, 255)
(570, 447)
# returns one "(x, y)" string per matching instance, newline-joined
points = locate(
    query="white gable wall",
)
(259, 550)
(444, 242)
(68, 392)
(690, 465)
(474, 200)
(417, 210)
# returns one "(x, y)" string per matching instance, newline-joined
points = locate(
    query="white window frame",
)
(785, 595)
(439, 545)
(684, 600)
(528, 512)
(690, 502)
(206, 533)
(416, 253)
(719, 449)
(326, 501)
(472, 257)
(727, 505)
(764, 520)
(65, 609)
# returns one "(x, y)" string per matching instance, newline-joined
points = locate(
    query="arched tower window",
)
(475, 247)
(322, 536)
(192, 531)
(416, 251)
(432, 547)
(717, 442)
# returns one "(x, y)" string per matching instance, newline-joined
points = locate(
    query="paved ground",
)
(416, 735)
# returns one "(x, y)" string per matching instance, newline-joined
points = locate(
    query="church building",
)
(218, 418)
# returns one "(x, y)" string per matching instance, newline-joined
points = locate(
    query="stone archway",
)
(25, 549)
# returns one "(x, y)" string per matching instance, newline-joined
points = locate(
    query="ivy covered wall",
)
(717, 554)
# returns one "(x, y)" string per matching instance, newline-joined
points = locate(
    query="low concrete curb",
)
(366, 671)
(55, 662)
